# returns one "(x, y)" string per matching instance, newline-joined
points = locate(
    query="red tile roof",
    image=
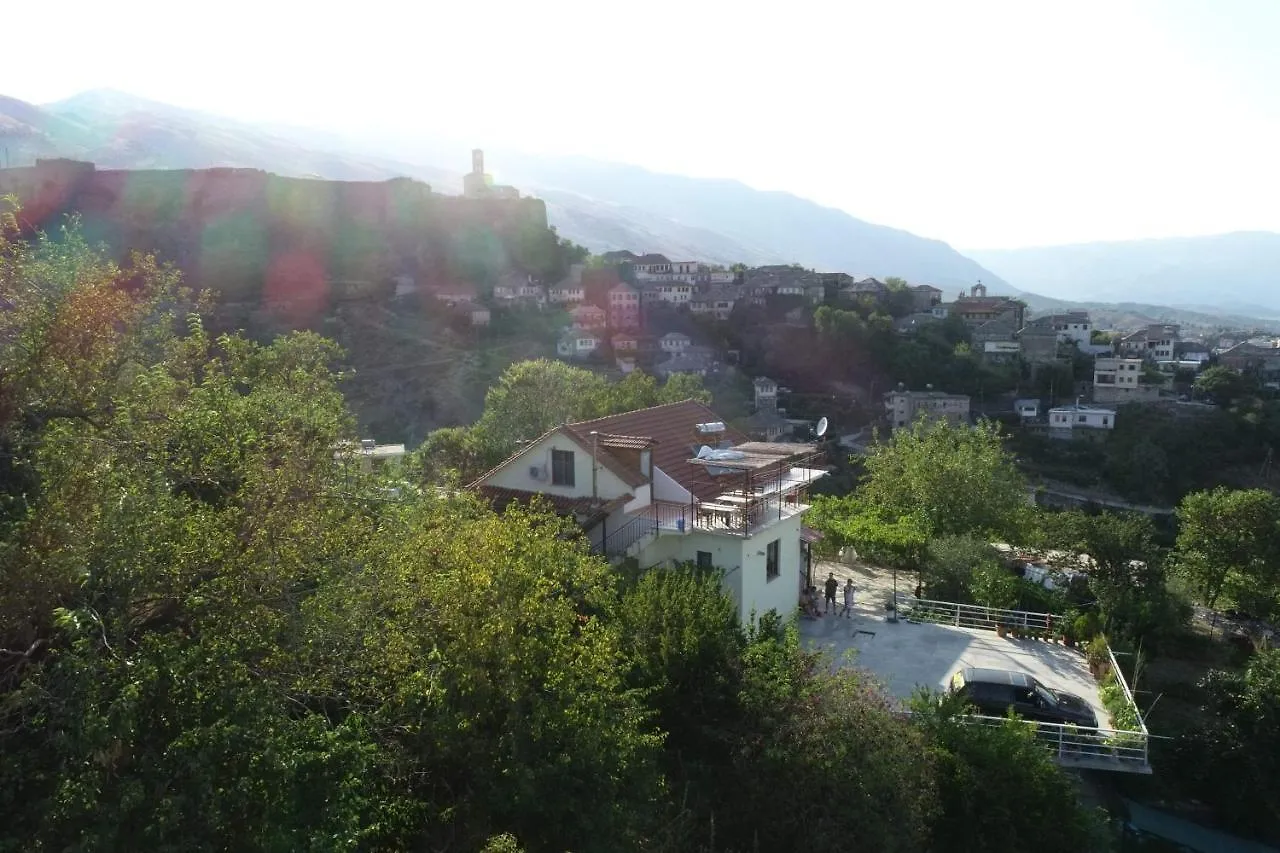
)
(671, 426)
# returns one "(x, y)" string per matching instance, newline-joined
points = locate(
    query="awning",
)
(809, 535)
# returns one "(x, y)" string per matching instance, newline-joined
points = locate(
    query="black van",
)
(994, 691)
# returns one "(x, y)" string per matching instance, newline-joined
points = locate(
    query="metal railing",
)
(977, 616)
(617, 542)
(1119, 750)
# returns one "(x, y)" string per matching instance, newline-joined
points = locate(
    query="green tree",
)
(1228, 760)
(1228, 540)
(1222, 384)
(998, 788)
(958, 480)
(1125, 567)
(682, 386)
(952, 563)
(531, 397)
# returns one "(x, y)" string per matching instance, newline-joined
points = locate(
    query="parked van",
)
(995, 691)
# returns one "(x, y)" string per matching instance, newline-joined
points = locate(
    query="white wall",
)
(744, 563)
(780, 593)
(515, 475)
(667, 489)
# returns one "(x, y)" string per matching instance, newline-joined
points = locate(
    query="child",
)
(847, 612)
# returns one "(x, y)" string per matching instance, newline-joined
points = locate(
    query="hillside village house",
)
(905, 407)
(473, 313)
(718, 302)
(577, 344)
(977, 308)
(652, 267)
(1157, 342)
(673, 484)
(454, 293)
(674, 342)
(570, 290)
(588, 317)
(624, 307)
(925, 296)
(624, 342)
(1252, 357)
(1119, 380)
(694, 361)
(1071, 327)
(1072, 421)
(677, 293)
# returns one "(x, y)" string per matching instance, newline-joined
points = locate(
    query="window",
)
(1105, 420)
(1081, 418)
(704, 560)
(562, 467)
(771, 567)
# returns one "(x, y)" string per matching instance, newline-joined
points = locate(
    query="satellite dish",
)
(821, 429)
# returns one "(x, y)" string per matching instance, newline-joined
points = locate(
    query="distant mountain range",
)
(610, 206)
(1235, 273)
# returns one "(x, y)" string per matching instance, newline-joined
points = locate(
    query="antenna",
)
(821, 429)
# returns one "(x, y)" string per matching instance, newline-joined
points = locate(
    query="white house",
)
(576, 344)
(676, 292)
(673, 484)
(674, 342)
(1028, 408)
(1073, 326)
(1064, 421)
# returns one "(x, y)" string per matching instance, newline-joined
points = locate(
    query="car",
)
(994, 692)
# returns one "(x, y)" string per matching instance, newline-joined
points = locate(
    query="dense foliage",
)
(218, 632)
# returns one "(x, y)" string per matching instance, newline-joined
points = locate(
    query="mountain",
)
(759, 226)
(120, 131)
(601, 205)
(1235, 273)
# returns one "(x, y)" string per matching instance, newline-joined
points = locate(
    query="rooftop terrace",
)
(907, 654)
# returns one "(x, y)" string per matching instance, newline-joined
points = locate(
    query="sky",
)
(987, 124)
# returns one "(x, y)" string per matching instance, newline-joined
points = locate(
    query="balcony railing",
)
(619, 541)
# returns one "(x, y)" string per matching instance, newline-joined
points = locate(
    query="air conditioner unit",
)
(537, 472)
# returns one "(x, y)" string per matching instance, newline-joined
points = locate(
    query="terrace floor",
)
(905, 655)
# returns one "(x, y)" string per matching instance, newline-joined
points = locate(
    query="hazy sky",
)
(984, 123)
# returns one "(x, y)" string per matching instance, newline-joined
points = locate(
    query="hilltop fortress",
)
(248, 233)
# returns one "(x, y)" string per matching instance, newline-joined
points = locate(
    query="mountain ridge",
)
(1232, 271)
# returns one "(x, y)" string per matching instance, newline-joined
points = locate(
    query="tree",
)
(957, 480)
(682, 386)
(1125, 570)
(1222, 384)
(1001, 779)
(1228, 540)
(1228, 760)
(531, 397)
(952, 563)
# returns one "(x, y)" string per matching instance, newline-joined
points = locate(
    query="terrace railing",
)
(1102, 748)
(977, 616)
(1108, 749)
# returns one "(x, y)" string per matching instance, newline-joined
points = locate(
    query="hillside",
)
(1234, 273)
(600, 205)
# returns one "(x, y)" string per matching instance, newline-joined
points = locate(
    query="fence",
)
(977, 616)
(1099, 748)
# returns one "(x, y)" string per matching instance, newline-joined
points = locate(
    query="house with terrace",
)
(672, 484)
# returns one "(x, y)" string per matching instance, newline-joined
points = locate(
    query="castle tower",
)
(477, 161)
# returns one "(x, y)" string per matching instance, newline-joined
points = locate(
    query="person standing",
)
(847, 612)
(831, 586)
